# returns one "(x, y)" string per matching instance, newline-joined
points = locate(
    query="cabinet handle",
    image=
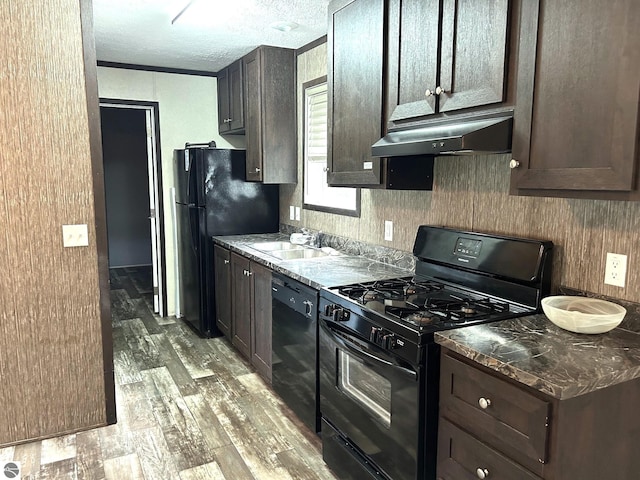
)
(258, 170)
(226, 262)
(325, 169)
(514, 163)
(244, 272)
(229, 120)
(484, 403)
(249, 273)
(482, 473)
(438, 91)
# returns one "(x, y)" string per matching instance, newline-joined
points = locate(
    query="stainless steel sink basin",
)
(298, 254)
(272, 246)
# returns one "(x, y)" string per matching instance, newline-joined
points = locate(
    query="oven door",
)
(372, 398)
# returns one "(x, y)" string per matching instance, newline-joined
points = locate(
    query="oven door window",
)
(369, 389)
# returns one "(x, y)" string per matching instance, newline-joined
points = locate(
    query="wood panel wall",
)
(51, 316)
(472, 192)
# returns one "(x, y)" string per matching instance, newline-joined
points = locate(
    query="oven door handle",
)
(363, 354)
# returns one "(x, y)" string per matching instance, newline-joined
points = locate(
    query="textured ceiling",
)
(208, 36)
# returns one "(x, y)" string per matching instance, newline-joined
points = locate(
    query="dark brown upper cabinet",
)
(356, 102)
(355, 44)
(444, 56)
(576, 118)
(230, 99)
(384, 55)
(270, 115)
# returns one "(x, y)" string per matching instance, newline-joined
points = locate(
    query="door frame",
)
(153, 141)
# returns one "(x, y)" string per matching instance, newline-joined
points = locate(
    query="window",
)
(317, 194)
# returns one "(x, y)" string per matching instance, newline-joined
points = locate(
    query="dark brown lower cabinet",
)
(261, 320)
(241, 304)
(251, 312)
(494, 427)
(222, 266)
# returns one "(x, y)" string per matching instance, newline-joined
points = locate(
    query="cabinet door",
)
(414, 35)
(253, 115)
(474, 53)
(236, 104)
(261, 327)
(576, 120)
(223, 101)
(355, 74)
(221, 261)
(241, 300)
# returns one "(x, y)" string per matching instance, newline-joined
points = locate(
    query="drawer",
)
(499, 413)
(463, 457)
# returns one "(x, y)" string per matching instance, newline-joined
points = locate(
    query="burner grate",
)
(450, 309)
(396, 289)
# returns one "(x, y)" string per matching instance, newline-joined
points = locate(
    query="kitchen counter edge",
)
(536, 353)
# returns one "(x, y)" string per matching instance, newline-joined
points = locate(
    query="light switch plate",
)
(292, 212)
(298, 214)
(388, 230)
(75, 235)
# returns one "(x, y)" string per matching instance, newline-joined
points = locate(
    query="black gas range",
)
(378, 363)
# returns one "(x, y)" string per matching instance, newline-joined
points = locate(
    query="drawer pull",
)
(484, 404)
(482, 473)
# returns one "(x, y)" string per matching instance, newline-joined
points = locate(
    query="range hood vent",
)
(468, 136)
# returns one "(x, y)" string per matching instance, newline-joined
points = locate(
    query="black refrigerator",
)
(213, 198)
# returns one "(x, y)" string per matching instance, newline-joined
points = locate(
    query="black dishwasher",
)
(294, 347)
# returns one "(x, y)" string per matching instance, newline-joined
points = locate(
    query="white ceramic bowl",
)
(583, 314)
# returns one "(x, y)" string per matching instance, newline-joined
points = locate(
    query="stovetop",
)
(461, 279)
(425, 305)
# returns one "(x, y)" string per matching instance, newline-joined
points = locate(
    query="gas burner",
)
(418, 287)
(420, 318)
(376, 291)
(452, 309)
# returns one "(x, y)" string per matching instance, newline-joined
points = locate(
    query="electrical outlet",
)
(75, 236)
(388, 230)
(292, 212)
(615, 271)
(298, 214)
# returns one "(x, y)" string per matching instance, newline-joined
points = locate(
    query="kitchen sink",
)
(298, 254)
(273, 246)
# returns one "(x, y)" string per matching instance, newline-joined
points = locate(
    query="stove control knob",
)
(328, 310)
(340, 314)
(374, 335)
(390, 341)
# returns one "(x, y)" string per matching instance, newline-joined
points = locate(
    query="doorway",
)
(133, 191)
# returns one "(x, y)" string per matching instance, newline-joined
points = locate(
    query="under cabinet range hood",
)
(457, 137)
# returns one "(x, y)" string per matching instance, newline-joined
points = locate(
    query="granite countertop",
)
(537, 353)
(328, 271)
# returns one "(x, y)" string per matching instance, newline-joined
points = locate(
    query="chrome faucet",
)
(312, 239)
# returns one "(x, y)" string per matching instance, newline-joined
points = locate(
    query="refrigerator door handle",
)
(194, 227)
(188, 163)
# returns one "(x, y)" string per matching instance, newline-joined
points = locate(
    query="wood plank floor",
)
(188, 409)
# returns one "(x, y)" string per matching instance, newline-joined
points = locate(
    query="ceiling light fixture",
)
(284, 26)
